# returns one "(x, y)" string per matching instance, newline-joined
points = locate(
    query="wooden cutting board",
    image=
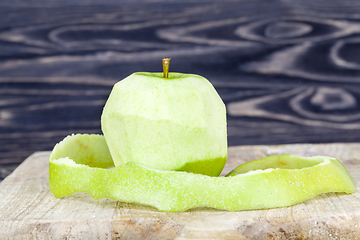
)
(29, 211)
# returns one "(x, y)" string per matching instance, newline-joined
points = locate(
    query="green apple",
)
(275, 181)
(153, 124)
(175, 123)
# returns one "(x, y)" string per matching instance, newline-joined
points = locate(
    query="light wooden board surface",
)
(29, 211)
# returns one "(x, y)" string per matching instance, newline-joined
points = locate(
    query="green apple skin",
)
(90, 150)
(275, 181)
(176, 123)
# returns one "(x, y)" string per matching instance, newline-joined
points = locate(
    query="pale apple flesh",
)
(276, 181)
(174, 123)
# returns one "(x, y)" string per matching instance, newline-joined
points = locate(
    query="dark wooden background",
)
(288, 71)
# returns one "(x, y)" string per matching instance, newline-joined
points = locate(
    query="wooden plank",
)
(288, 71)
(29, 211)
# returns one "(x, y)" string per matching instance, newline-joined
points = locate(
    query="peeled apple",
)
(174, 123)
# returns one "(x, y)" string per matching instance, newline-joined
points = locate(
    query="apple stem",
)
(166, 63)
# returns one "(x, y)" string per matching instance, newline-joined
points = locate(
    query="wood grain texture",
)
(29, 211)
(288, 71)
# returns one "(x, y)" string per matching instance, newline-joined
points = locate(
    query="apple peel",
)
(272, 182)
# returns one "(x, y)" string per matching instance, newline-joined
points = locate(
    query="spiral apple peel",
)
(79, 164)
